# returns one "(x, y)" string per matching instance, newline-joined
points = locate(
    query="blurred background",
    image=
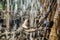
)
(29, 19)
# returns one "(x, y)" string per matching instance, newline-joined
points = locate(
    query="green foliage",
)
(3, 4)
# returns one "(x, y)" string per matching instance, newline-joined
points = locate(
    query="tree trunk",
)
(53, 33)
(7, 16)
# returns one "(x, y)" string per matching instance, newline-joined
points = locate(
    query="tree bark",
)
(7, 16)
(54, 17)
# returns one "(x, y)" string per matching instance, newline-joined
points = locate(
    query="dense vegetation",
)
(29, 20)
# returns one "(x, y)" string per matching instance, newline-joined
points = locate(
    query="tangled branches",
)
(26, 29)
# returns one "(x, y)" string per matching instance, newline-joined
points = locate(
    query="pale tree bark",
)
(7, 16)
(58, 23)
